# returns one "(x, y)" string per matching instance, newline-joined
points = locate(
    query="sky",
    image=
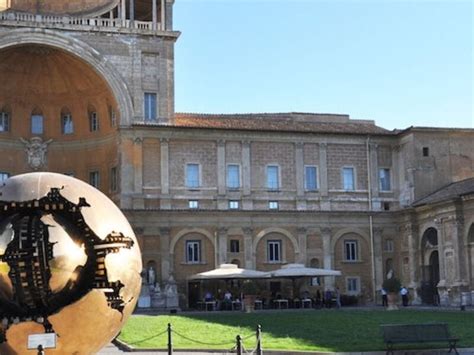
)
(401, 63)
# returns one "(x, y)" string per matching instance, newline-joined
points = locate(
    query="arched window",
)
(67, 126)
(112, 116)
(93, 119)
(37, 124)
(5, 114)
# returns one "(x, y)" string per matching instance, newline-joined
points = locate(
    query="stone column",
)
(323, 177)
(442, 285)
(378, 259)
(163, 15)
(164, 168)
(248, 248)
(302, 236)
(123, 12)
(221, 245)
(132, 12)
(299, 164)
(138, 201)
(328, 255)
(246, 176)
(166, 254)
(411, 234)
(154, 11)
(221, 186)
(374, 177)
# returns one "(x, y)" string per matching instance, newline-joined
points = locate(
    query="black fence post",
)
(259, 340)
(239, 344)
(170, 340)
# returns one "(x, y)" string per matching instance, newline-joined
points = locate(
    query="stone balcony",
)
(97, 24)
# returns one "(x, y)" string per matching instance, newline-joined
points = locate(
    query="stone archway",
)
(430, 266)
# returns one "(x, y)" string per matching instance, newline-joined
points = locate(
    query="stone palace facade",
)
(88, 90)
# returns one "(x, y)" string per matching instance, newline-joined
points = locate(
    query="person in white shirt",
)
(404, 293)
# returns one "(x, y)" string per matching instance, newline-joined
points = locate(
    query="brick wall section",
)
(151, 162)
(201, 152)
(340, 155)
(283, 154)
(233, 153)
(311, 154)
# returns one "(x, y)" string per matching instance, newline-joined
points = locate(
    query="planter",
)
(249, 303)
(392, 301)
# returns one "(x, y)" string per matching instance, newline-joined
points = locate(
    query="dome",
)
(62, 7)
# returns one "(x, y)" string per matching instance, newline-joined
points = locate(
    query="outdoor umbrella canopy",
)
(228, 272)
(299, 270)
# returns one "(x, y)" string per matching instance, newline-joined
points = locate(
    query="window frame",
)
(94, 125)
(4, 121)
(64, 118)
(114, 179)
(354, 178)
(239, 177)
(4, 176)
(349, 290)
(195, 256)
(93, 173)
(275, 204)
(193, 204)
(186, 176)
(32, 122)
(278, 177)
(389, 245)
(150, 113)
(234, 246)
(272, 244)
(352, 254)
(381, 185)
(316, 182)
(234, 204)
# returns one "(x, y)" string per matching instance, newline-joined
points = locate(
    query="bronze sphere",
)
(69, 265)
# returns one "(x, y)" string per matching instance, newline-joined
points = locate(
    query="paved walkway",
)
(113, 350)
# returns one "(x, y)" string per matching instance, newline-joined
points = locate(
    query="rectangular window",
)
(94, 179)
(4, 176)
(350, 250)
(233, 176)
(388, 247)
(273, 180)
(348, 179)
(113, 117)
(193, 251)
(234, 246)
(311, 178)
(93, 122)
(4, 122)
(193, 204)
(234, 205)
(113, 179)
(274, 251)
(353, 285)
(66, 124)
(384, 178)
(150, 106)
(426, 151)
(273, 205)
(37, 124)
(192, 176)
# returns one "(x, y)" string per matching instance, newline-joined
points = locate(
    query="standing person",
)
(404, 293)
(328, 298)
(319, 300)
(384, 297)
(338, 298)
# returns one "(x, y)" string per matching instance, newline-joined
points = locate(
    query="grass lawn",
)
(312, 330)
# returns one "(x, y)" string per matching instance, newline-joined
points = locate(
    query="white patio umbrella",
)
(229, 272)
(299, 270)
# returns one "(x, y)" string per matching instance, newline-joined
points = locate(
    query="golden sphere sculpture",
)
(69, 265)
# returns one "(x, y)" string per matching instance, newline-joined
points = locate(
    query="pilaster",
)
(323, 177)
(248, 248)
(302, 235)
(164, 168)
(166, 256)
(222, 245)
(328, 255)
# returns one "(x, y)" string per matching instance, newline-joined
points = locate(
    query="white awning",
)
(299, 270)
(229, 271)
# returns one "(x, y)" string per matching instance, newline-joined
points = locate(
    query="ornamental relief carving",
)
(36, 151)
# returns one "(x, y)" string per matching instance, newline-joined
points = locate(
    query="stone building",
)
(88, 90)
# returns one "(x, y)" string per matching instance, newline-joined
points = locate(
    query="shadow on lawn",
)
(336, 330)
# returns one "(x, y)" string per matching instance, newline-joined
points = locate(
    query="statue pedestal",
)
(144, 300)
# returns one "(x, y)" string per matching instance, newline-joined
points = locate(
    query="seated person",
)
(227, 301)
